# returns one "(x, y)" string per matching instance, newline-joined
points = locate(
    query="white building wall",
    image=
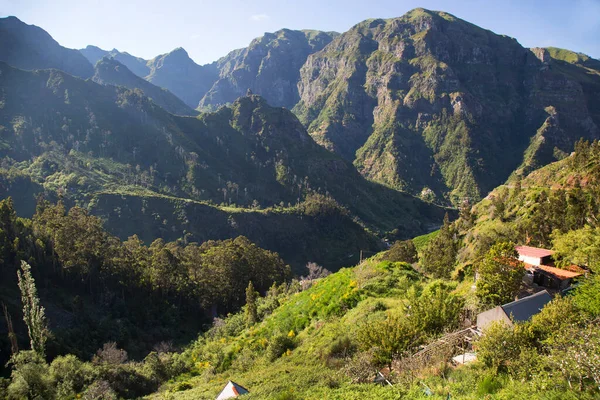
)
(530, 260)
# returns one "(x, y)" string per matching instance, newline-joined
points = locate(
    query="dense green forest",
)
(97, 288)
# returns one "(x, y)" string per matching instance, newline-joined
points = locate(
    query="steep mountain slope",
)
(109, 71)
(177, 72)
(269, 66)
(136, 65)
(94, 145)
(537, 209)
(428, 101)
(29, 47)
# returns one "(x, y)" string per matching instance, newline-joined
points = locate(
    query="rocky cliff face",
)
(269, 66)
(30, 47)
(432, 104)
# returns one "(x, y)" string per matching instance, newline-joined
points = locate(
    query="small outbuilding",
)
(553, 278)
(518, 311)
(232, 390)
(534, 255)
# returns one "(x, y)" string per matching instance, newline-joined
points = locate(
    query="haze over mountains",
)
(425, 103)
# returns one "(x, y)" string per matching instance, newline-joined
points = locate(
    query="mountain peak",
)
(110, 71)
(12, 18)
(30, 47)
(179, 52)
(93, 48)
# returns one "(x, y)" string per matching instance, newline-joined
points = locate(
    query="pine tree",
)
(251, 311)
(439, 256)
(33, 314)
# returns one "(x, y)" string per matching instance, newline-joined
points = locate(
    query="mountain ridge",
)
(30, 47)
(82, 141)
(109, 71)
(427, 101)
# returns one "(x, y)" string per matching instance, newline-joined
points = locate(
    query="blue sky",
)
(210, 29)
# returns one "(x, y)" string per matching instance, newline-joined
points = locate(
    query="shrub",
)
(100, 390)
(436, 309)
(557, 315)
(587, 296)
(30, 377)
(279, 345)
(341, 348)
(500, 345)
(378, 306)
(182, 386)
(404, 251)
(69, 375)
(388, 338)
(575, 353)
(110, 354)
(490, 384)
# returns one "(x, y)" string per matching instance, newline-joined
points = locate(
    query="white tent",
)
(231, 390)
(465, 358)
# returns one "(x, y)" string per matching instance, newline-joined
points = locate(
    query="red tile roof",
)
(571, 271)
(533, 251)
(575, 268)
(559, 273)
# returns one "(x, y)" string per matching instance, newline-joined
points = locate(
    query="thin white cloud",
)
(194, 37)
(259, 17)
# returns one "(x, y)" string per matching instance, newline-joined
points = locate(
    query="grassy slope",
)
(306, 372)
(317, 317)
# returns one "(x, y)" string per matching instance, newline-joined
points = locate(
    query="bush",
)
(556, 316)
(30, 377)
(388, 339)
(279, 345)
(436, 309)
(500, 345)
(100, 390)
(110, 354)
(489, 385)
(69, 375)
(404, 251)
(587, 296)
(126, 380)
(182, 386)
(341, 348)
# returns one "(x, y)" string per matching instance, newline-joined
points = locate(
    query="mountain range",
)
(424, 105)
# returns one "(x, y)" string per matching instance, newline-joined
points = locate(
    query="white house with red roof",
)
(534, 255)
(540, 263)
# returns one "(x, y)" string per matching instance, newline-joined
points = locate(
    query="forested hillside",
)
(98, 289)
(117, 153)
